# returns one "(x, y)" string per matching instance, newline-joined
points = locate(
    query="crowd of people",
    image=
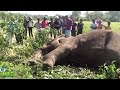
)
(62, 25)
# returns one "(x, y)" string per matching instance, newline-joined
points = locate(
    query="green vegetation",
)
(14, 57)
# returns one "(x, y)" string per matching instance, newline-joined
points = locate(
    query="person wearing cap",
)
(44, 22)
(30, 26)
(68, 26)
(56, 27)
(38, 26)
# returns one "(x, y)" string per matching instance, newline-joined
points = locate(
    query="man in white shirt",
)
(30, 26)
(93, 25)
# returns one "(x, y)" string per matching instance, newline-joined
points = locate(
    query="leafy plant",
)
(19, 71)
(109, 71)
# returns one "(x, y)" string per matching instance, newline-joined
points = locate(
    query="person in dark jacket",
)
(80, 27)
(25, 24)
(63, 25)
(51, 23)
(74, 28)
(56, 26)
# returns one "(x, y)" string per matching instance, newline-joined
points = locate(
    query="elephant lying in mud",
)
(93, 49)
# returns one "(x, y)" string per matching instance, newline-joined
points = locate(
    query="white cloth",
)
(30, 24)
(93, 25)
(56, 17)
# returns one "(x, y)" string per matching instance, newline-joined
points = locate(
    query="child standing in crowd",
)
(74, 28)
(108, 27)
(93, 25)
(38, 25)
(68, 26)
(30, 26)
(80, 27)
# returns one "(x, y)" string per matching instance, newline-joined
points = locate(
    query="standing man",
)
(25, 24)
(44, 22)
(30, 26)
(38, 25)
(63, 25)
(57, 26)
(51, 23)
(68, 26)
(80, 27)
(74, 26)
(93, 25)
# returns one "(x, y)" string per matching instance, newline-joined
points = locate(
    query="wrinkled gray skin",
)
(93, 49)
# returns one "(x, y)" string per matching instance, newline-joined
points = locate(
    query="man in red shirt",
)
(44, 22)
(68, 26)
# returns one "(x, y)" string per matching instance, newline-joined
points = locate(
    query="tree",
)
(87, 16)
(76, 15)
(114, 16)
(96, 14)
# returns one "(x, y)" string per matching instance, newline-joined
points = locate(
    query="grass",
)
(114, 25)
(15, 62)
